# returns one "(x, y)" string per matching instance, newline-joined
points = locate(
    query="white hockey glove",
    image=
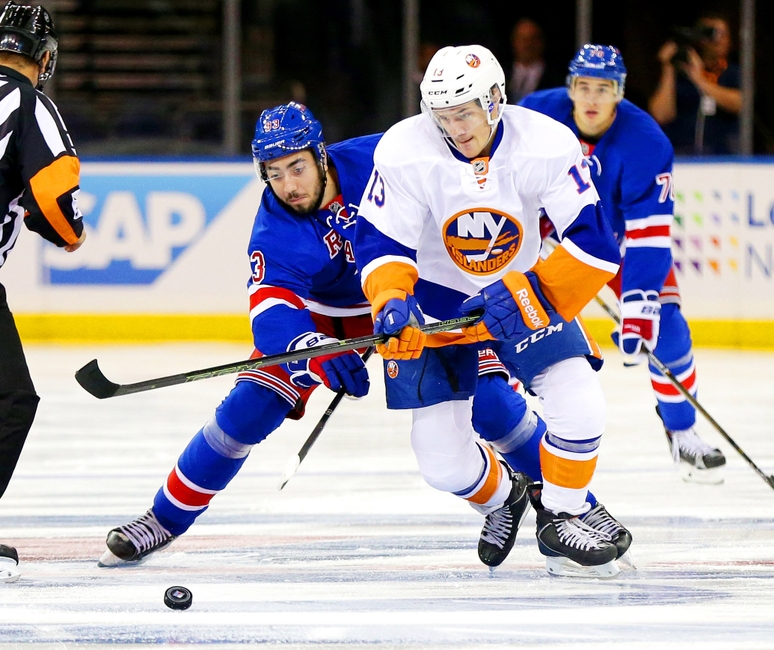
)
(640, 317)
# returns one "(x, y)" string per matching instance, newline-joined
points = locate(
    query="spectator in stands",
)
(697, 101)
(530, 71)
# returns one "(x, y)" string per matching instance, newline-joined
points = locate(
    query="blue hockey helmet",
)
(29, 31)
(283, 130)
(602, 61)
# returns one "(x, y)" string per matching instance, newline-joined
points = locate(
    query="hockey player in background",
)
(630, 160)
(449, 224)
(39, 179)
(305, 291)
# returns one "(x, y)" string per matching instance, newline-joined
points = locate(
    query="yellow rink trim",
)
(751, 335)
(133, 328)
(143, 328)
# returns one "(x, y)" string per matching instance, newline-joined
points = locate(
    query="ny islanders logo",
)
(482, 241)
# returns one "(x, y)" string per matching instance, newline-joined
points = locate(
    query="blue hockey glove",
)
(513, 307)
(339, 370)
(399, 318)
(640, 319)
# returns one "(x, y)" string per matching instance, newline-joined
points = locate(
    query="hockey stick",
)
(551, 244)
(694, 402)
(297, 459)
(93, 381)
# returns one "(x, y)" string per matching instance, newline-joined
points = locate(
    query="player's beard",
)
(317, 193)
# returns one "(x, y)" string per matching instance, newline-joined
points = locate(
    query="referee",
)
(39, 171)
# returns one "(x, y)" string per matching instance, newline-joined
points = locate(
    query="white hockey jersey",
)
(430, 213)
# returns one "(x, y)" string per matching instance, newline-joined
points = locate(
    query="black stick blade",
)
(92, 380)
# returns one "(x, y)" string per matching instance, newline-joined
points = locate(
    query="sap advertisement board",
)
(162, 238)
(172, 238)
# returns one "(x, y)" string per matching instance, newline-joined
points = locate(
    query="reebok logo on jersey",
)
(482, 241)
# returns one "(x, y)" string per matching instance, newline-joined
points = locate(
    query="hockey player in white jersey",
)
(449, 225)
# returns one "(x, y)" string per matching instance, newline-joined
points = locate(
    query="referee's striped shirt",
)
(39, 168)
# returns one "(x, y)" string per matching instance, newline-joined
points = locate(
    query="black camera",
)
(690, 37)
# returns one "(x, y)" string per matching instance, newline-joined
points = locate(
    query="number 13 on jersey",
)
(376, 189)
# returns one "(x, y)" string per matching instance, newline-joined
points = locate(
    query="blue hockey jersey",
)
(304, 264)
(631, 166)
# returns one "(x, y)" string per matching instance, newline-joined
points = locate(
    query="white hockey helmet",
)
(457, 75)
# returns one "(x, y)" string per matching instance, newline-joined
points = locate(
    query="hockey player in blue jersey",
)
(299, 299)
(304, 299)
(631, 165)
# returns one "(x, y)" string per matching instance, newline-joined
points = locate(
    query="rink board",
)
(165, 257)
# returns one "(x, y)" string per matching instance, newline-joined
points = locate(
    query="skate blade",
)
(8, 570)
(108, 560)
(9, 573)
(562, 566)
(627, 561)
(711, 476)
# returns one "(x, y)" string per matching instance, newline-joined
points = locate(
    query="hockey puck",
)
(178, 598)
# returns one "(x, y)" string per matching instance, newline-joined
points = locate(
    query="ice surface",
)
(357, 551)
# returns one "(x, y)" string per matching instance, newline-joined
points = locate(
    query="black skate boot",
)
(501, 526)
(572, 548)
(699, 462)
(9, 561)
(603, 522)
(134, 541)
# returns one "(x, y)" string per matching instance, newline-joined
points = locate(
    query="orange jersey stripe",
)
(386, 279)
(595, 349)
(566, 473)
(51, 182)
(443, 339)
(492, 481)
(568, 283)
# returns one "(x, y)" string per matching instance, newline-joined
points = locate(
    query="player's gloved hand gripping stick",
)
(401, 319)
(91, 378)
(345, 372)
(513, 307)
(640, 319)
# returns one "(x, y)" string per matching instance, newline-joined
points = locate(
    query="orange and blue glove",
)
(399, 319)
(513, 307)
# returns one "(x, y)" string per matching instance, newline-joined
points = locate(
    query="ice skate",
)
(699, 462)
(9, 562)
(603, 522)
(132, 542)
(501, 526)
(571, 547)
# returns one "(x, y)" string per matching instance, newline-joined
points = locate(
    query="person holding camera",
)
(697, 101)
